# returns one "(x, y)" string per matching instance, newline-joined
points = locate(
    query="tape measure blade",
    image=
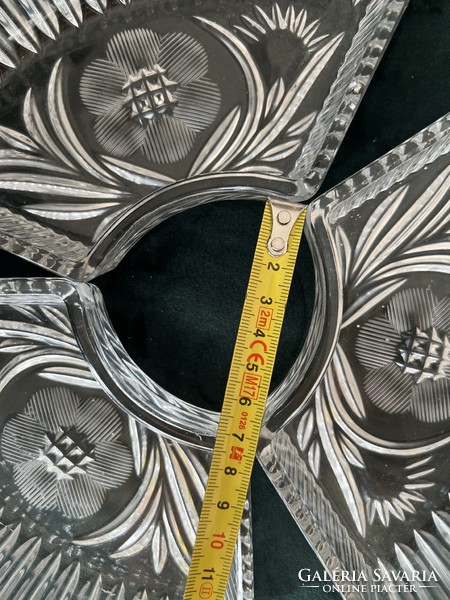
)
(242, 413)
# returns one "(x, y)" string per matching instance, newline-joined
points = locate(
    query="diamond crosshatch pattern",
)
(149, 94)
(67, 453)
(425, 354)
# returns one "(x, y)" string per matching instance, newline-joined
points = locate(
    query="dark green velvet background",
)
(176, 298)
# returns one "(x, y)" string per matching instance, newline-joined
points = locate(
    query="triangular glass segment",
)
(116, 115)
(94, 506)
(362, 462)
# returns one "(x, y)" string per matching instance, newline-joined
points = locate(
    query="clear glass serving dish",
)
(116, 114)
(93, 504)
(363, 464)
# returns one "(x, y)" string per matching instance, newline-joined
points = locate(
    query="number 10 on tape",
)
(245, 399)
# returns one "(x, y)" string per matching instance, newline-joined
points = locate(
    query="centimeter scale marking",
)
(243, 409)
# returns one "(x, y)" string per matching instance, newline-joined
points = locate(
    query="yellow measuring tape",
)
(245, 399)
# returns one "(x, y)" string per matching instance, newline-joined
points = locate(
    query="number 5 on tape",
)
(245, 398)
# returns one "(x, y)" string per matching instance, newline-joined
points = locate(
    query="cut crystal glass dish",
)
(363, 465)
(94, 506)
(115, 115)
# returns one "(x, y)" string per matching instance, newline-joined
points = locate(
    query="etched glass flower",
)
(65, 453)
(407, 353)
(151, 94)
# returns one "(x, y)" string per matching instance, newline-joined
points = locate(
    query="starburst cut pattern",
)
(150, 93)
(407, 354)
(296, 23)
(403, 495)
(65, 453)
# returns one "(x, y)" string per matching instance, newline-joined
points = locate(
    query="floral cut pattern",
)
(151, 94)
(65, 452)
(407, 354)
